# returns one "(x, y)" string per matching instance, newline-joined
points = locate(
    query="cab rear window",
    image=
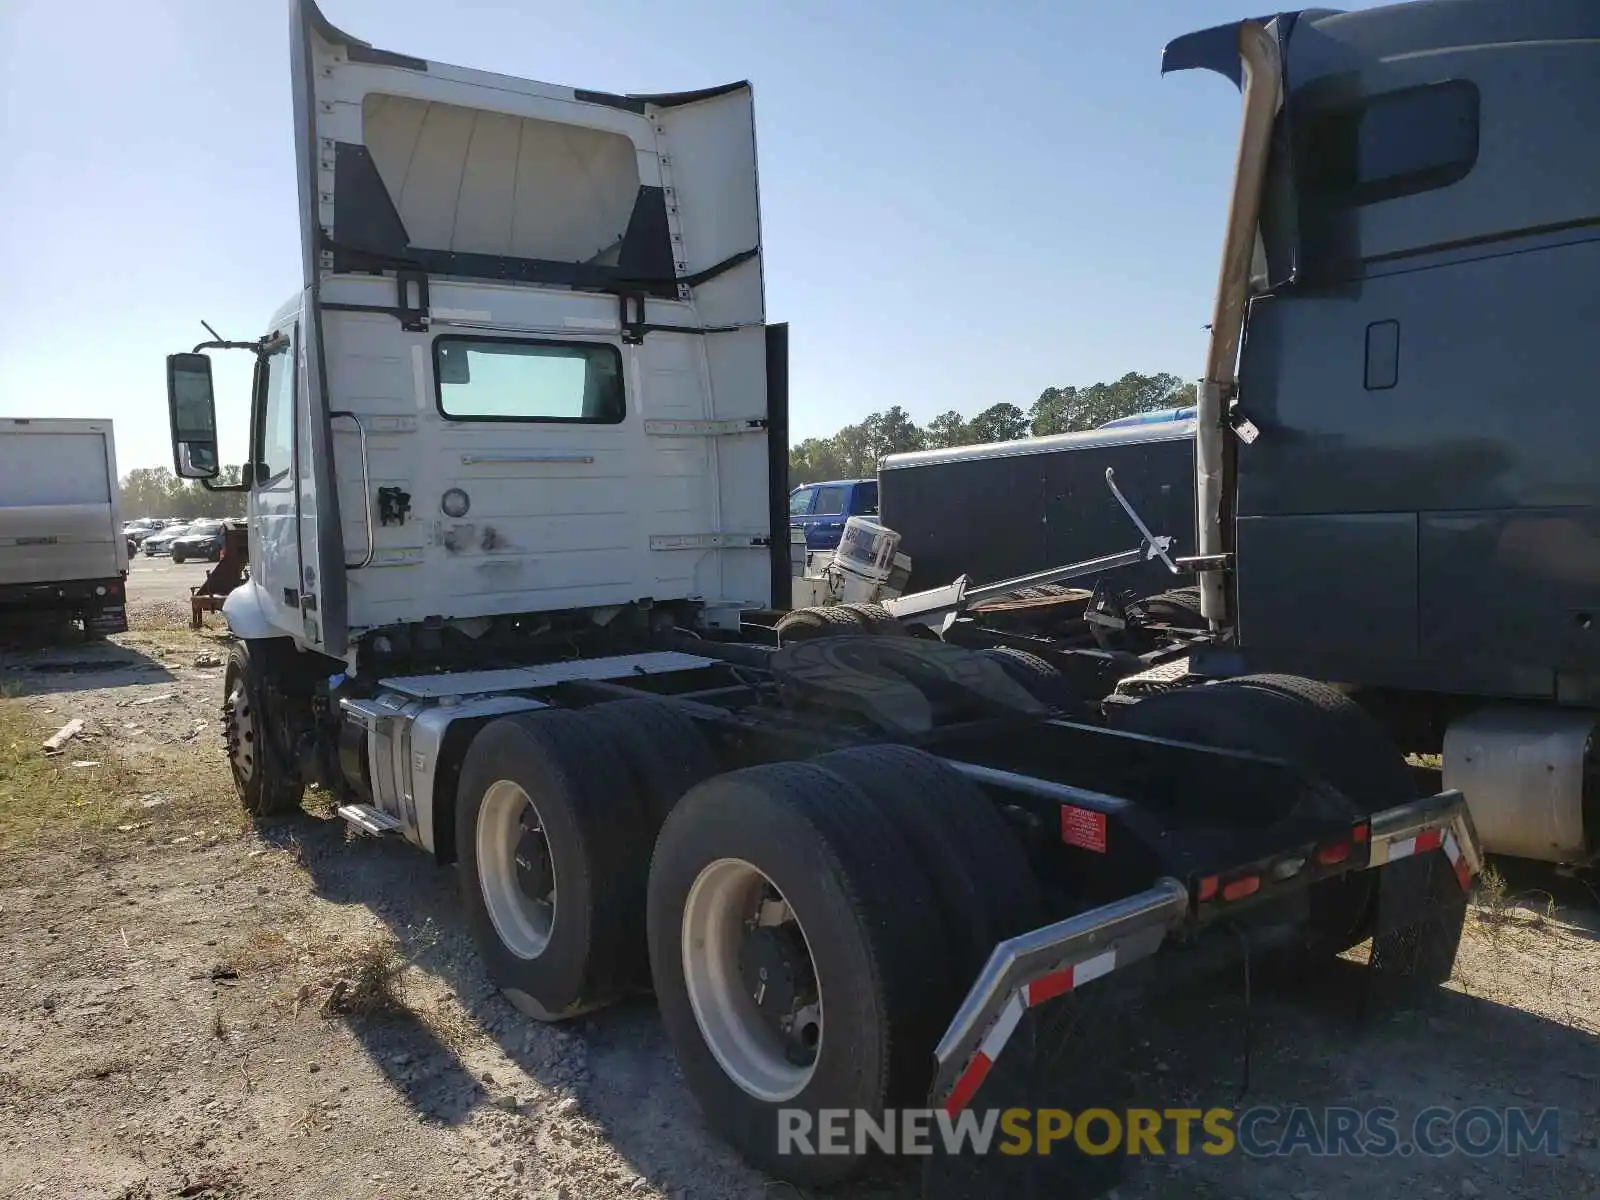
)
(494, 379)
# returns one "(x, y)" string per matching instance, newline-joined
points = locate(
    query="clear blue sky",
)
(962, 204)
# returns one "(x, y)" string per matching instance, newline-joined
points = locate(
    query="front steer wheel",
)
(795, 949)
(263, 773)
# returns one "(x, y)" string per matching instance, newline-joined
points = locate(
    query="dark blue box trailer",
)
(1005, 509)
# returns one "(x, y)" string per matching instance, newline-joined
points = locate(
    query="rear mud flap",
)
(1422, 909)
(1067, 1057)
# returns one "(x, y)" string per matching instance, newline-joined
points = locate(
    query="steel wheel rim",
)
(523, 923)
(241, 733)
(715, 915)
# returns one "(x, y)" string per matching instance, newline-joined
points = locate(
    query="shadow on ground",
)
(77, 667)
(1318, 1040)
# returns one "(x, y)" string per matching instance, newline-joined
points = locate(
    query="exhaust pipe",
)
(1261, 87)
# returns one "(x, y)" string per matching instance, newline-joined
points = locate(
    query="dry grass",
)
(369, 980)
(267, 950)
(1521, 949)
(41, 793)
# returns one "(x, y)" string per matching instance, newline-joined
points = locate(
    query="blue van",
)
(821, 509)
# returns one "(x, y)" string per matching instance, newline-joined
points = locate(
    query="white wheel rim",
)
(522, 921)
(242, 747)
(721, 903)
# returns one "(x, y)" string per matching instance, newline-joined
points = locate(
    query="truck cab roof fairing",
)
(1217, 49)
(409, 164)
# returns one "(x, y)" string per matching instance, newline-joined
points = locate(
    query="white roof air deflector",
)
(424, 167)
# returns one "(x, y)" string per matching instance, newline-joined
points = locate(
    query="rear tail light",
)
(1208, 888)
(1238, 889)
(1334, 852)
(1358, 835)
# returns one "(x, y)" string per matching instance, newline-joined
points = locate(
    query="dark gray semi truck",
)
(1398, 485)
(1394, 459)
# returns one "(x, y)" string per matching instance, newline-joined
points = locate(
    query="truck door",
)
(800, 502)
(825, 525)
(535, 343)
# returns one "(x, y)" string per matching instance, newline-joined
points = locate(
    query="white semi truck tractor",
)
(517, 500)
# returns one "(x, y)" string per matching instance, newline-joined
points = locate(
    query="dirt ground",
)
(191, 1007)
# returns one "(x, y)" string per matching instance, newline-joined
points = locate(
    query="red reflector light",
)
(1358, 835)
(1429, 839)
(1249, 885)
(1336, 853)
(1208, 888)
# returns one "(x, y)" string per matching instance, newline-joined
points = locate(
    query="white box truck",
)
(62, 554)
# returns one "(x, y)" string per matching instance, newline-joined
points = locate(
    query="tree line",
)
(157, 492)
(851, 453)
(854, 451)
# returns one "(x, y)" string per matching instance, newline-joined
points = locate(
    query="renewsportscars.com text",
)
(1260, 1132)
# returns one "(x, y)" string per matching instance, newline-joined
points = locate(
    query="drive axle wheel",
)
(554, 853)
(752, 981)
(1310, 724)
(515, 870)
(798, 959)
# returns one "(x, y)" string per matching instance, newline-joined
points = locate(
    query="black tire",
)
(263, 774)
(983, 884)
(1031, 671)
(177, 557)
(799, 624)
(1343, 743)
(1180, 607)
(867, 914)
(598, 849)
(663, 750)
(877, 620)
(842, 618)
(1039, 678)
(1317, 728)
(830, 621)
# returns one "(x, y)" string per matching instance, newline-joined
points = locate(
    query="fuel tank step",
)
(368, 819)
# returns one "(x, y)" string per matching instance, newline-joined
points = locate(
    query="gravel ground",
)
(169, 1026)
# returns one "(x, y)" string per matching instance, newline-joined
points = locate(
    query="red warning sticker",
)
(1083, 828)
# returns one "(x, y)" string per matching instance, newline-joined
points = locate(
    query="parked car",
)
(203, 540)
(134, 532)
(161, 541)
(141, 527)
(821, 509)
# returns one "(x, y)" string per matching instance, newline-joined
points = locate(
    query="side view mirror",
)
(192, 408)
